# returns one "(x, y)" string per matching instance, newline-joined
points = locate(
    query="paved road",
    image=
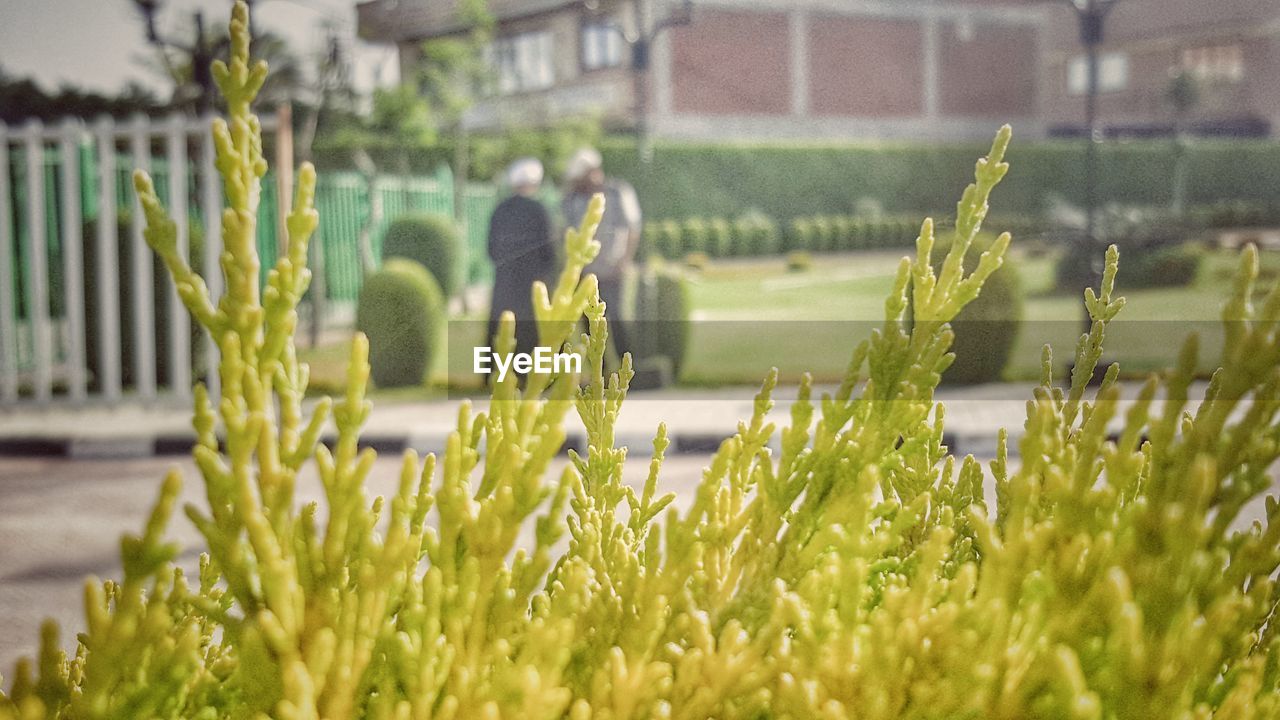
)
(61, 521)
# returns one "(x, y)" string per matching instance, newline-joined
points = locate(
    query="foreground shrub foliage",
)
(858, 572)
(986, 330)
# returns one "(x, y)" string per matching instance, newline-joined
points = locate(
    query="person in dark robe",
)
(522, 251)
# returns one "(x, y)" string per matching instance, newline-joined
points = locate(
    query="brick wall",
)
(987, 70)
(732, 63)
(865, 67)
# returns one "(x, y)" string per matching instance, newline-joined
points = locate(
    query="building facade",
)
(832, 69)
(1229, 50)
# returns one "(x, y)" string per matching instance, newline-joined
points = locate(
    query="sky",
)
(100, 44)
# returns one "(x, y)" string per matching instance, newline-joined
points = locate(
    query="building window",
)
(601, 46)
(522, 62)
(1113, 73)
(1216, 63)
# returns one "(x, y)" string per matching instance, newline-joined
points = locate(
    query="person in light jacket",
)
(618, 234)
(522, 251)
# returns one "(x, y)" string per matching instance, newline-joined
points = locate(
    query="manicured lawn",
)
(750, 315)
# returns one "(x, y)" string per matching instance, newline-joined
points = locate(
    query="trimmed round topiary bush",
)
(987, 328)
(431, 240)
(697, 261)
(823, 234)
(1156, 245)
(743, 237)
(719, 238)
(1229, 214)
(843, 225)
(662, 318)
(799, 261)
(402, 312)
(859, 233)
(800, 234)
(767, 238)
(650, 247)
(1168, 266)
(670, 242)
(694, 235)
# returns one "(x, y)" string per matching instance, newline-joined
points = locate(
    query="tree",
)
(432, 103)
(186, 65)
(22, 99)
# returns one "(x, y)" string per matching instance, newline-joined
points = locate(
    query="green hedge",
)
(784, 182)
(755, 235)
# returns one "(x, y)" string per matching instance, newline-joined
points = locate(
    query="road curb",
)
(423, 442)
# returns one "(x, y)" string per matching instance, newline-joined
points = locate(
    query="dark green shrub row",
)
(431, 240)
(1171, 266)
(1159, 249)
(1233, 214)
(754, 234)
(785, 182)
(1145, 266)
(749, 235)
(402, 312)
(830, 233)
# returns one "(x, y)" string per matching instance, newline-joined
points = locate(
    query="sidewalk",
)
(697, 421)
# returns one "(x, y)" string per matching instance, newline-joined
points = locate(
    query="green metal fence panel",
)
(409, 195)
(343, 204)
(480, 201)
(22, 228)
(268, 227)
(342, 198)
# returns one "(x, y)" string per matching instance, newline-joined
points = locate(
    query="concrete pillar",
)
(932, 38)
(799, 27)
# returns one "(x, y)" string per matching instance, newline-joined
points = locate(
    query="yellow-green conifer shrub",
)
(857, 573)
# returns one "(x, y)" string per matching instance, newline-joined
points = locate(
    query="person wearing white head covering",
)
(584, 162)
(525, 175)
(618, 233)
(522, 251)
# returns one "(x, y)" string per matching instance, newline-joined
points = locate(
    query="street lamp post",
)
(1092, 17)
(641, 44)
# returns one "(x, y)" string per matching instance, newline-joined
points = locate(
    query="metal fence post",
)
(144, 321)
(107, 270)
(179, 322)
(38, 262)
(8, 321)
(73, 258)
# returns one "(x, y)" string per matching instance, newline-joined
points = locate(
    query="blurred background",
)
(783, 155)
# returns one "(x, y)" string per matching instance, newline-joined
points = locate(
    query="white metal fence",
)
(85, 312)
